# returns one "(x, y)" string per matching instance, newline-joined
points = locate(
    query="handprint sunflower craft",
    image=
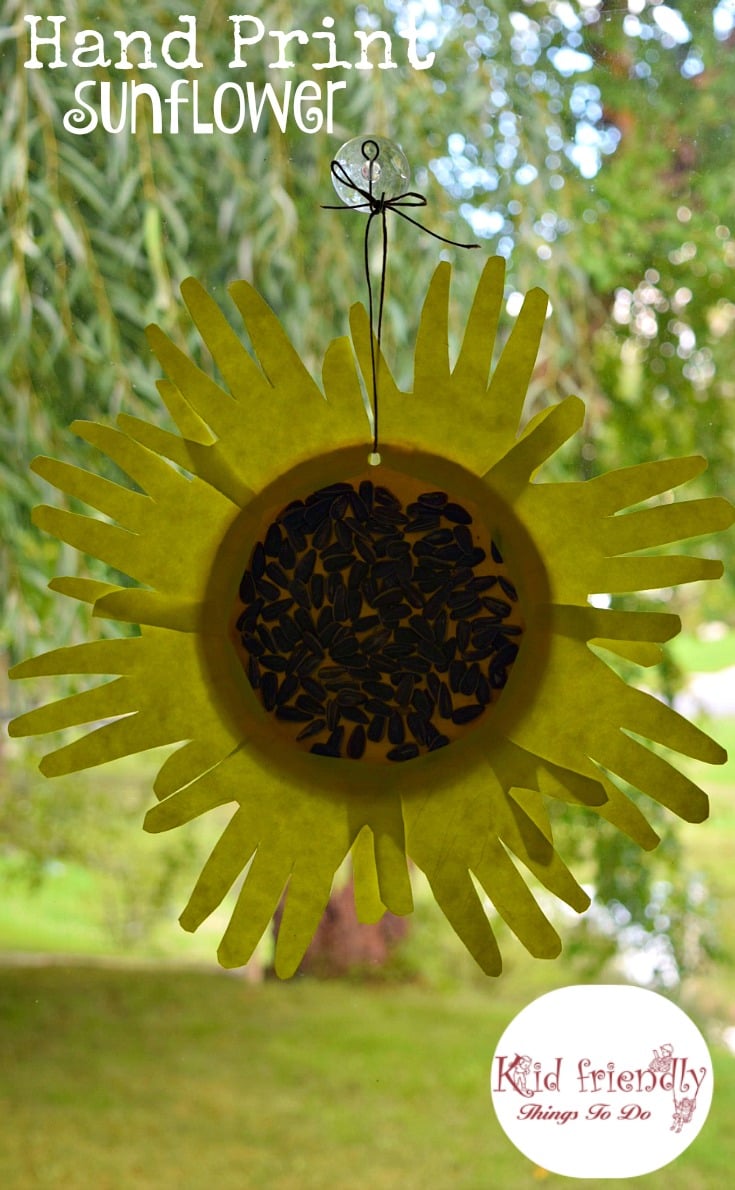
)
(393, 661)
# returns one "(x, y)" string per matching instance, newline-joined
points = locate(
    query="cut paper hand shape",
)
(400, 661)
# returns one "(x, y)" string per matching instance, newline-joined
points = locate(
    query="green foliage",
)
(94, 826)
(606, 178)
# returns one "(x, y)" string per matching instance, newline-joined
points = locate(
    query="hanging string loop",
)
(377, 205)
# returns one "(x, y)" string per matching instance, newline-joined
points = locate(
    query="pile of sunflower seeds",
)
(363, 621)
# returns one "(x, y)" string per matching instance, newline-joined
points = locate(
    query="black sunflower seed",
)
(252, 611)
(328, 632)
(351, 697)
(461, 599)
(269, 690)
(333, 713)
(356, 742)
(366, 491)
(417, 726)
(257, 562)
(423, 522)
(277, 575)
(446, 707)
(339, 506)
(394, 613)
(354, 715)
(456, 513)
(274, 661)
(298, 658)
(456, 673)
(464, 634)
(498, 606)
(254, 672)
(340, 603)
(419, 625)
(497, 556)
(326, 616)
(266, 638)
(440, 627)
(376, 730)
(366, 552)
(314, 688)
(333, 745)
(308, 665)
(433, 499)
(289, 630)
(468, 685)
(359, 508)
(484, 641)
(306, 703)
(332, 673)
(247, 588)
(479, 654)
(253, 645)
(332, 489)
(378, 689)
(305, 566)
(439, 741)
(273, 611)
(482, 582)
(416, 665)
(431, 652)
(404, 689)
(465, 611)
(467, 713)
(508, 588)
(354, 604)
(316, 586)
(323, 534)
(273, 540)
(386, 498)
(287, 555)
(507, 655)
(396, 728)
(423, 703)
(292, 714)
(358, 574)
(403, 752)
(378, 706)
(338, 562)
(366, 622)
(344, 648)
(300, 593)
(287, 689)
(296, 538)
(375, 641)
(483, 693)
(312, 729)
(464, 539)
(315, 515)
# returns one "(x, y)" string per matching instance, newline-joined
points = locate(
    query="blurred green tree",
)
(583, 140)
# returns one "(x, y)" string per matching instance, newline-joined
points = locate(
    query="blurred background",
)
(591, 144)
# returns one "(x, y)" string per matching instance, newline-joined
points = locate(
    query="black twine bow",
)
(379, 206)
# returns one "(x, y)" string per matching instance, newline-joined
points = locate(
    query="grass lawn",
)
(114, 1079)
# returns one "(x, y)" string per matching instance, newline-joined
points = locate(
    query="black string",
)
(379, 206)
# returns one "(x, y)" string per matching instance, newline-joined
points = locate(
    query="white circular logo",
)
(601, 1081)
